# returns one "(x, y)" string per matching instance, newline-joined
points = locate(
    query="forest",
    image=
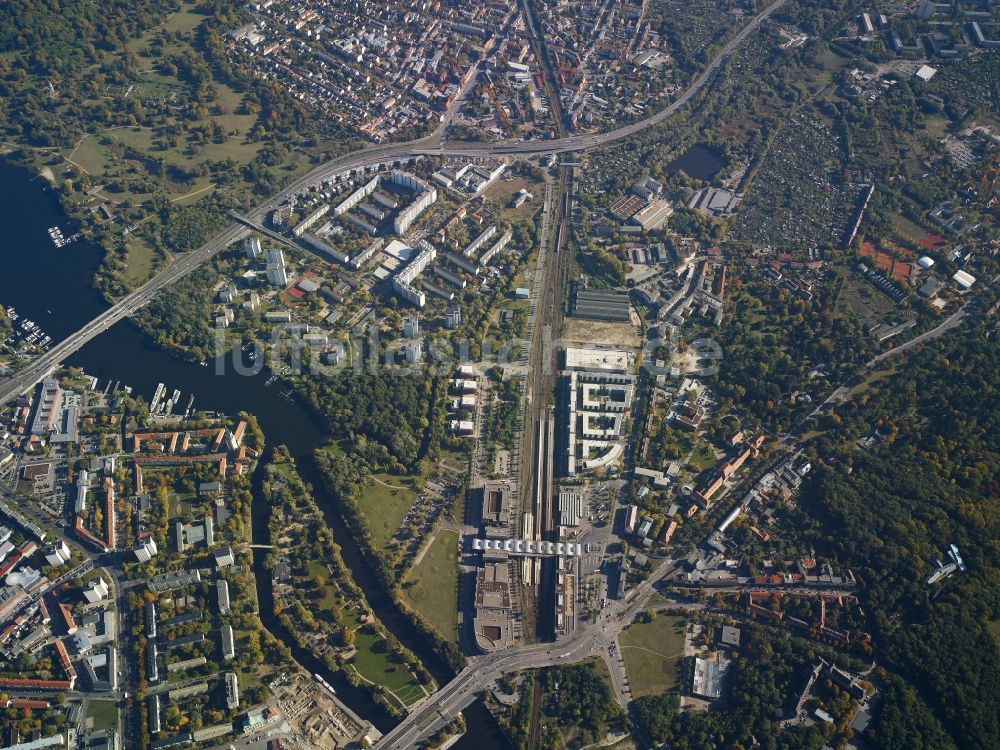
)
(771, 341)
(179, 318)
(387, 414)
(931, 479)
(576, 707)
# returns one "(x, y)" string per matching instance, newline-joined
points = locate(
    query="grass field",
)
(375, 664)
(907, 230)
(503, 191)
(432, 588)
(184, 20)
(385, 502)
(104, 714)
(704, 458)
(332, 599)
(142, 259)
(652, 653)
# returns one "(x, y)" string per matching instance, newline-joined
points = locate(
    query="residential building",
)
(96, 590)
(277, 273)
(222, 594)
(224, 557)
(57, 554)
(228, 647)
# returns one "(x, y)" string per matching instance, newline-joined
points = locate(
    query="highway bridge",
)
(367, 157)
(435, 711)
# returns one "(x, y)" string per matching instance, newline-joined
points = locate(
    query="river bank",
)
(54, 287)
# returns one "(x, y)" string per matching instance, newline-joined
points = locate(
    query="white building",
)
(96, 590)
(146, 551)
(277, 274)
(222, 592)
(402, 282)
(224, 557)
(232, 690)
(414, 351)
(253, 248)
(57, 554)
(426, 196)
(228, 647)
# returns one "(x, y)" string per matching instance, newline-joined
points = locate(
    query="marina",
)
(59, 239)
(27, 337)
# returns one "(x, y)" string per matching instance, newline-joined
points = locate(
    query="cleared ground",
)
(432, 586)
(597, 332)
(652, 653)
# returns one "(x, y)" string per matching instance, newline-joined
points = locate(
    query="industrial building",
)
(595, 304)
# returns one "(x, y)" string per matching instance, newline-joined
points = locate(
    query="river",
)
(53, 287)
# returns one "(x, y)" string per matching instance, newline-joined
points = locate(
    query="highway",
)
(402, 152)
(439, 708)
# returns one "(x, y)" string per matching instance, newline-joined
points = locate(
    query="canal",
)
(53, 287)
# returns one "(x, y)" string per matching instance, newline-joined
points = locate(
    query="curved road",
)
(183, 265)
(438, 709)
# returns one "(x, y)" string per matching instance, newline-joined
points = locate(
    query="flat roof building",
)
(493, 627)
(599, 304)
(497, 503)
(228, 646)
(222, 594)
(232, 690)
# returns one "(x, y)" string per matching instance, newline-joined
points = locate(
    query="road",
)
(373, 155)
(952, 321)
(441, 707)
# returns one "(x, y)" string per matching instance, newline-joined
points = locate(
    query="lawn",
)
(385, 502)
(907, 230)
(185, 21)
(432, 586)
(503, 191)
(104, 714)
(142, 258)
(652, 653)
(374, 663)
(704, 458)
